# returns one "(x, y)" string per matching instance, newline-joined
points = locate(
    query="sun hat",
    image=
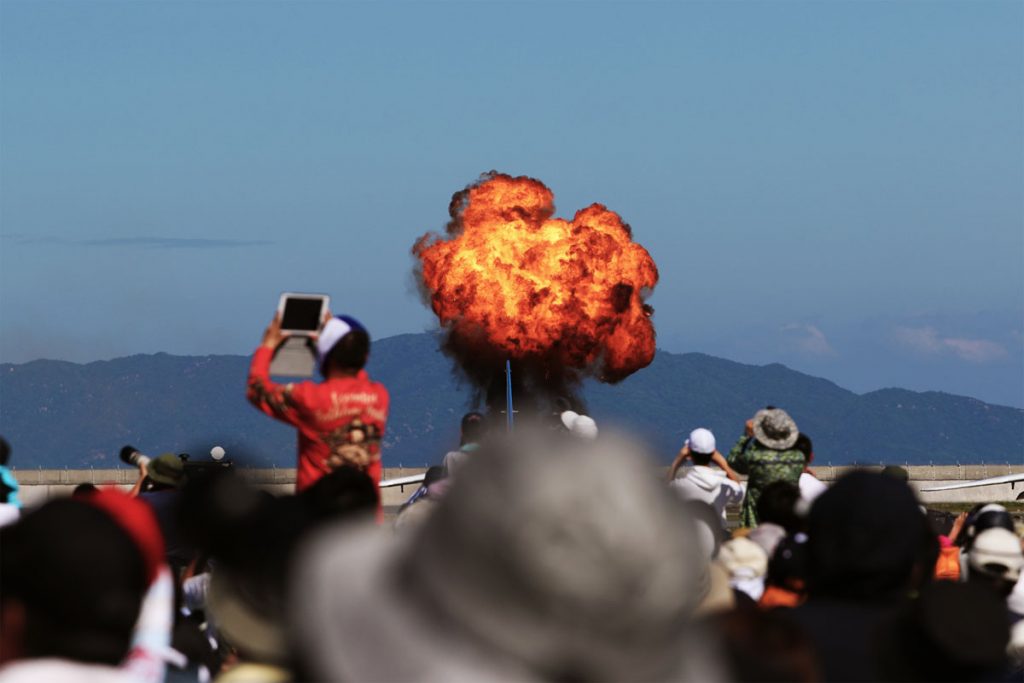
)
(332, 332)
(744, 558)
(774, 428)
(702, 441)
(997, 552)
(242, 620)
(167, 469)
(515, 576)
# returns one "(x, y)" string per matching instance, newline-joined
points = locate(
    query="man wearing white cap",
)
(340, 420)
(702, 482)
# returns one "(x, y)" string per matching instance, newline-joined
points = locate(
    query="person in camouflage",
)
(766, 454)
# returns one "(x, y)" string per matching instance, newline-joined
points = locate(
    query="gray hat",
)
(557, 558)
(775, 429)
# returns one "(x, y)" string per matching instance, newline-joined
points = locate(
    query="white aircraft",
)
(403, 481)
(1005, 479)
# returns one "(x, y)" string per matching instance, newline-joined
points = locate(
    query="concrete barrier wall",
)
(39, 485)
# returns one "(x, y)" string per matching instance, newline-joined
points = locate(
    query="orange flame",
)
(550, 292)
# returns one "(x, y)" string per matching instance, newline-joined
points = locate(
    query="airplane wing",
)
(403, 481)
(1005, 479)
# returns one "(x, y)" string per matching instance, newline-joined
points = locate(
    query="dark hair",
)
(867, 540)
(804, 445)
(777, 505)
(350, 352)
(760, 646)
(345, 491)
(472, 427)
(700, 458)
(84, 490)
(80, 577)
(5, 451)
(433, 475)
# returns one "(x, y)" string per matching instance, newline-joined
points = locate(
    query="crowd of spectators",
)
(551, 553)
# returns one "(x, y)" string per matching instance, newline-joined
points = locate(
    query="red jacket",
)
(340, 421)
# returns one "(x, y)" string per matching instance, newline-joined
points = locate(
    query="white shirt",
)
(709, 486)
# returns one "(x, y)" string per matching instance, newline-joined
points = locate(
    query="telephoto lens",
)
(130, 456)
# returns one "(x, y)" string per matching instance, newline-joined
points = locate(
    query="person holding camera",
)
(341, 420)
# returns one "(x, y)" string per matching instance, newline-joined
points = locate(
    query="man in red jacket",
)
(340, 420)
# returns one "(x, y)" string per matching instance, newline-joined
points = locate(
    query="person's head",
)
(805, 446)
(896, 472)
(343, 346)
(472, 428)
(995, 558)
(5, 452)
(989, 516)
(164, 472)
(84, 490)
(775, 429)
(345, 491)
(868, 540)
(702, 446)
(762, 646)
(952, 632)
(777, 505)
(74, 576)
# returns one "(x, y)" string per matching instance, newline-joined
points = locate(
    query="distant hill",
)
(59, 414)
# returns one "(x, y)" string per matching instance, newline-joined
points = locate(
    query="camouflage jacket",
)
(762, 466)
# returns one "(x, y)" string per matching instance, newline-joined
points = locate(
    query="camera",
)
(130, 456)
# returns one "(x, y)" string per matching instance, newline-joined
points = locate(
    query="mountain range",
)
(58, 414)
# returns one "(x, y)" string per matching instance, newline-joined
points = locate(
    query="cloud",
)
(173, 243)
(928, 341)
(139, 242)
(809, 339)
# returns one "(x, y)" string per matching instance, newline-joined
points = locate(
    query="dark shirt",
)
(165, 506)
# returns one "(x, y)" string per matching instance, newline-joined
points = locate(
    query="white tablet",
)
(302, 314)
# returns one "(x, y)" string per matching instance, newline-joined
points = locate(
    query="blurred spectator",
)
(159, 486)
(422, 503)
(979, 518)
(10, 503)
(952, 632)
(701, 482)
(765, 647)
(746, 563)
(869, 547)
(73, 582)
(785, 583)
(471, 433)
(84, 490)
(515, 576)
(996, 560)
(896, 472)
(810, 486)
(340, 420)
(777, 517)
(766, 453)
(250, 536)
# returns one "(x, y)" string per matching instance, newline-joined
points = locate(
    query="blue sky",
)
(836, 186)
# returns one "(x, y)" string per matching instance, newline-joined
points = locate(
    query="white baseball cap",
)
(702, 441)
(331, 333)
(997, 552)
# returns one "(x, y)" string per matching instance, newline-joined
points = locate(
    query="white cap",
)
(997, 552)
(702, 441)
(334, 330)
